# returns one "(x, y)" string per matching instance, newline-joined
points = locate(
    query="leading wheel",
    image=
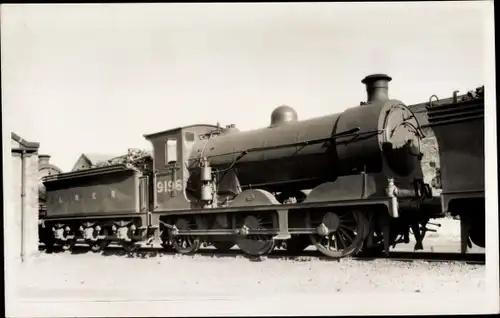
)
(256, 245)
(339, 234)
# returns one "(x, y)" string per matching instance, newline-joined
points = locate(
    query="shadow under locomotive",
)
(345, 183)
(283, 254)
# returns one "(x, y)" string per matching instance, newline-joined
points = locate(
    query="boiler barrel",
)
(301, 162)
(274, 163)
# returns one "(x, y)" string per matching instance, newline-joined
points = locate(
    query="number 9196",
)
(168, 186)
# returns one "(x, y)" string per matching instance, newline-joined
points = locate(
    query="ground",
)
(56, 284)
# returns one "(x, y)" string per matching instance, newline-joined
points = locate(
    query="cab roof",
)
(152, 135)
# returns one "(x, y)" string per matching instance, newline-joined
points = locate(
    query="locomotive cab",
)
(171, 149)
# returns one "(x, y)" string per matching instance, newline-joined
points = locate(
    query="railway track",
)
(281, 254)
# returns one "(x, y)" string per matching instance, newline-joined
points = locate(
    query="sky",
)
(96, 77)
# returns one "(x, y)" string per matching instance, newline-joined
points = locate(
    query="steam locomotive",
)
(345, 182)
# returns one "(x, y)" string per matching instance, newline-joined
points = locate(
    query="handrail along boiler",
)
(344, 182)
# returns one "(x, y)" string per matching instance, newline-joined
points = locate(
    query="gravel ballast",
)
(58, 284)
(97, 276)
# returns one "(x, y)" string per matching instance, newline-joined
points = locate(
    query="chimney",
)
(377, 87)
(43, 160)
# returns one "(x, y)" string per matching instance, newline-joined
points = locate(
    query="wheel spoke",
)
(349, 228)
(185, 244)
(348, 237)
(335, 242)
(342, 241)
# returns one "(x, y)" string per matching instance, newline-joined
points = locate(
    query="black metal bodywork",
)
(303, 154)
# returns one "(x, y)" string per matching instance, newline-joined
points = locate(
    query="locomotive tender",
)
(344, 182)
(457, 122)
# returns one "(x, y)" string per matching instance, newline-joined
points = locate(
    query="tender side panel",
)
(108, 193)
(459, 130)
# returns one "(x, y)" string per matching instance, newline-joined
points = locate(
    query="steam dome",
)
(283, 114)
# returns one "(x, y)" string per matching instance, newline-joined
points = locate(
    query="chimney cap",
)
(376, 77)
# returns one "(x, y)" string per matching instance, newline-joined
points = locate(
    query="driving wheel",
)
(338, 234)
(256, 245)
(185, 244)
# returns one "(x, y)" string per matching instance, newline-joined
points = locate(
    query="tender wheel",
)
(100, 244)
(185, 244)
(339, 234)
(95, 247)
(256, 245)
(130, 247)
(297, 243)
(68, 245)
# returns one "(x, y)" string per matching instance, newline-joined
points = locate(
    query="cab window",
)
(170, 151)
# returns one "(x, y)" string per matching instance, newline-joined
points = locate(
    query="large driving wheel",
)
(339, 234)
(185, 244)
(256, 245)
